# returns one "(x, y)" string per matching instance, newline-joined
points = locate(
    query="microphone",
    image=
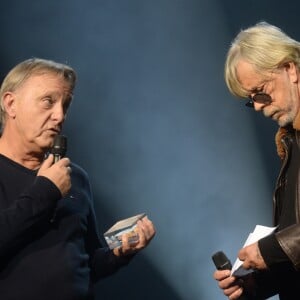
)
(222, 262)
(59, 150)
(59, 147)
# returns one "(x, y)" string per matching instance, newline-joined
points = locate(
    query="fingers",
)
(222, 274)
(234, 292)
(69, 169)
(59, 173)
(126, 247)
(65, 162)
(138, 239)
(229, 284)
(145, 229)
(48, 162)
(251, 257)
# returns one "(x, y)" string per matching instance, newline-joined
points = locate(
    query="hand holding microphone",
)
(225, 280)
(57, 168)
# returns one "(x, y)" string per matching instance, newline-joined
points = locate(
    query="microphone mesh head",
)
(221, 261)
(59, 145)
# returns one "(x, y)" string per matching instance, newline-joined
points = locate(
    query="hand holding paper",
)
(258, 233)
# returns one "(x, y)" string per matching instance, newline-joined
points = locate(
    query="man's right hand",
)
(229, 284)
(58, 173)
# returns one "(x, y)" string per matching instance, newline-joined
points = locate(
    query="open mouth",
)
(54, 130)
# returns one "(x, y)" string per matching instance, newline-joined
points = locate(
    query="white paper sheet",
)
(258, 233)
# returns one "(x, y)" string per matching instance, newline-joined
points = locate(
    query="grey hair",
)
(33, 66)
(264, 46)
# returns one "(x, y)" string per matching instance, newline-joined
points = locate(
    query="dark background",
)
(155, 127)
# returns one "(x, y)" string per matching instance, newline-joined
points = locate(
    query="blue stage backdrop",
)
(155, 127)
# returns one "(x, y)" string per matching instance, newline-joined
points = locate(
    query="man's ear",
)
(292, 71)
(9, 102)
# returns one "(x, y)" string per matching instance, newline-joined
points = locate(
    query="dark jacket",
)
(281, 250)
(288, 238)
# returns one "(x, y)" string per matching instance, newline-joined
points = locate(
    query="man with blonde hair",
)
(49, 245)
(262, 66)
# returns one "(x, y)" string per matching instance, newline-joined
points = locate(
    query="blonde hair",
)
(34, 66)
(264, 46)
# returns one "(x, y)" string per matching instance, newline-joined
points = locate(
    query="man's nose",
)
(257, 106)
(58, 113)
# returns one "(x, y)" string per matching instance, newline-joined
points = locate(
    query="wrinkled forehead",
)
(48, 80)
(245, 74)
(50, 85)
(249, 77)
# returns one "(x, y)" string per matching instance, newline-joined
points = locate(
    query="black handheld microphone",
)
(59, 150)
(59, 147)
(222, 262)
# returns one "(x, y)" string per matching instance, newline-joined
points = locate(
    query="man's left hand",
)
(251, 257)
(144, 230)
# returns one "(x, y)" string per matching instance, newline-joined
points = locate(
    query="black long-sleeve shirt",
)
(49, 247)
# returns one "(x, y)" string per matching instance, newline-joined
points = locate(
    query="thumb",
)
(47, 163)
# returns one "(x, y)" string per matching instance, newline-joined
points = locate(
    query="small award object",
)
(113, 235)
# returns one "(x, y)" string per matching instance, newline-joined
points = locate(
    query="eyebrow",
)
(258, 88)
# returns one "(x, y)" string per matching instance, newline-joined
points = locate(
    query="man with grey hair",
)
(262, 66)
(49, 245)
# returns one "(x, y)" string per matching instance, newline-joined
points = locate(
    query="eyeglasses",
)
(259, 97)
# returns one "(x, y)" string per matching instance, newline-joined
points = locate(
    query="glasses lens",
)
(262, 98)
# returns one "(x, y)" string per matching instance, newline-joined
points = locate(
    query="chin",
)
(282, 124)
(284, 121)
(46, 142)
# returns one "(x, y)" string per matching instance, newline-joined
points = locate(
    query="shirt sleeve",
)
(102, 260)
(26, 212)
(271, 250)
(105, 263)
